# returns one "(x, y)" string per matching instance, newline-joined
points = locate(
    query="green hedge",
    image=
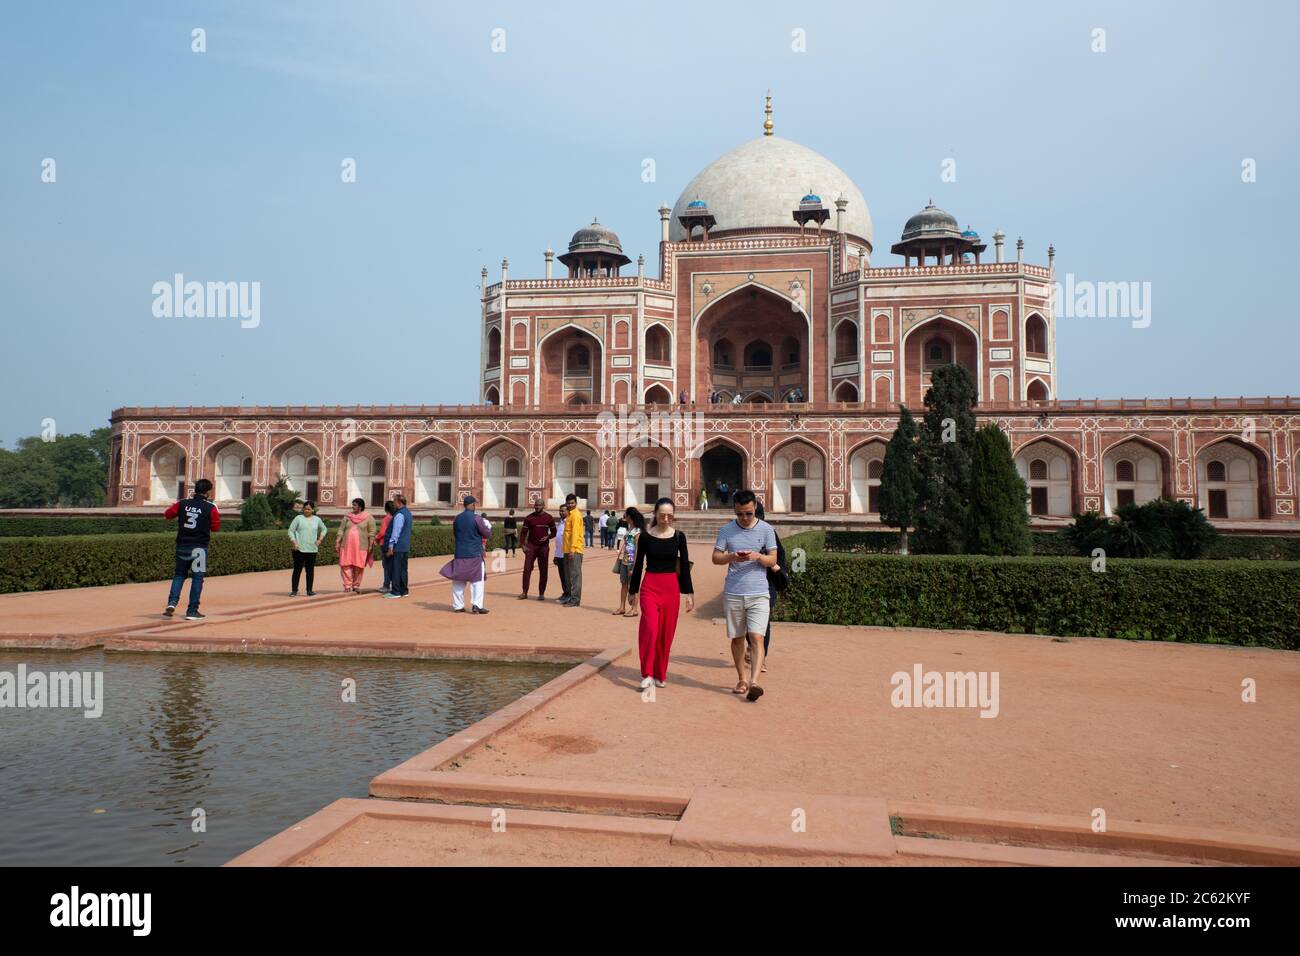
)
(47, 563)
(1225, 547)
(1233, 602)
(23, 526)
(886, 542)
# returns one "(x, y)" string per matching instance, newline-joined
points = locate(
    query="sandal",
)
(618, 612)
(755, 692)
(741, 687)
(632, 614)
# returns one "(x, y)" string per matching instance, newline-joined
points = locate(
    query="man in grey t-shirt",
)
(748, 547)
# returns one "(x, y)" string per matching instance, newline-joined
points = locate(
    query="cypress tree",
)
(997, 520)
(944, 452)
(900, 478)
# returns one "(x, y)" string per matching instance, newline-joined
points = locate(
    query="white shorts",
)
(746, 614)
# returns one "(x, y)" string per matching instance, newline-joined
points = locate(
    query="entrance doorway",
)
(721, 466)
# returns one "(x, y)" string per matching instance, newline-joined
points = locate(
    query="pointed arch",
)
(657, 394)
(298, 461)
(658, 344)
(550, 365)
(573, 465)
(647, 473)
(798, 470)
(1152, 472)
(846, 340)
(771, 317)
(866, 465)
(432, 463)
(721, 459)
(1035, 335)
(1244, 491)
(1036, 390)
(229, 461)
(1054, 489)
(504, 466)
(965, 345)
(163, 462)
(846, 391)
(364, 464)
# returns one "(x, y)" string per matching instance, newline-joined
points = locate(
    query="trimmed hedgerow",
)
(1051, 543)
(1230, 602)
(1056, 544)
(1253, 547)
(76, 561)
(23, 526)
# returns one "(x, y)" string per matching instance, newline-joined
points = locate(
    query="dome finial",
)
(767, 112)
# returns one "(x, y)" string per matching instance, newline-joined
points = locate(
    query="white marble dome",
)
(761, 182)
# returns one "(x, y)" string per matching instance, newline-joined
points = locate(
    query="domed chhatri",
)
(931, 222)
(934, 232)
(594, 251)
(697, 214)
(758, 183)
(596, 238)
(811, 210)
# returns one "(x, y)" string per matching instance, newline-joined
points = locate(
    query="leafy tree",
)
(78, 464)
(1187, 531)
(900, 479)
(997, 521)
(281, 497)
(257, 514)
(947, 441)
(1090, 531)
(27, 480)
(1163, 528)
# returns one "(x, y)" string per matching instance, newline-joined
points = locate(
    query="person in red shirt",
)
(197, 518)
(539, 529)
(380, 539)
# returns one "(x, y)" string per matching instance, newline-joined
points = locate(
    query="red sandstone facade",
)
(765, 313)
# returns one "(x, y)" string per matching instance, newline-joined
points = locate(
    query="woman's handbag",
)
(779, 579)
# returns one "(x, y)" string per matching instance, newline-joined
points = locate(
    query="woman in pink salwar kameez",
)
(356, 535)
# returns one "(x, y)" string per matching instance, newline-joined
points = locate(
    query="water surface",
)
(257, 743)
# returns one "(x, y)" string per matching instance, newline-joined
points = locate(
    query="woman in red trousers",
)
(661, 576)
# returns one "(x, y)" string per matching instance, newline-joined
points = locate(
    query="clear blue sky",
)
(226, 166)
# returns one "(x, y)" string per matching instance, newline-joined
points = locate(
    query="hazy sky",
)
(225, 166)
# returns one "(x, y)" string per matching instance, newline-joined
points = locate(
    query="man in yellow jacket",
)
(572, 546)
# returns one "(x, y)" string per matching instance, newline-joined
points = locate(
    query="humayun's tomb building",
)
(765, 292)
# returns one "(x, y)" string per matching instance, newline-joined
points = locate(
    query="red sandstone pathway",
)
(80, 612)
(1155, 733)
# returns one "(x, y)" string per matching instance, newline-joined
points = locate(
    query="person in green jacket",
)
(306, 531)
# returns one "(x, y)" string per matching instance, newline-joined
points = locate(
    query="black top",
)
(194, 522)
(659, 556)
(511, 524)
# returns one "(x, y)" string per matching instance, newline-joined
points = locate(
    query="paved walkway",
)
(1155, 734)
